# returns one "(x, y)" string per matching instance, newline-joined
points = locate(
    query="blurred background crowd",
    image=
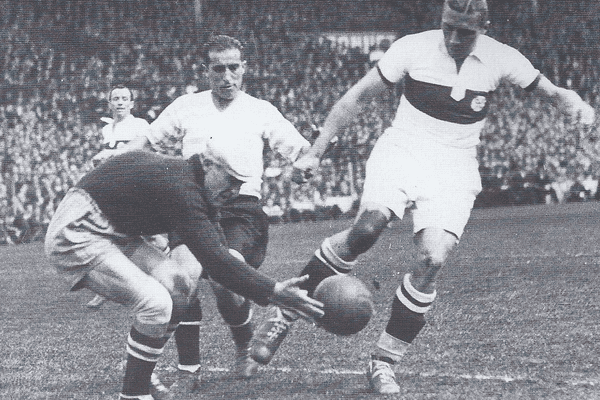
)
(60, 57)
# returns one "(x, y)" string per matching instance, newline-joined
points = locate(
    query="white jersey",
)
(116, 134)
(193, 118)
(440, 104)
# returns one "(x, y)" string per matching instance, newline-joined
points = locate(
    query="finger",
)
(315, 312)
(295, 281)
(310, 314)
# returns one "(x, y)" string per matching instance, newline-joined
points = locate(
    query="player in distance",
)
(123, 126)
(95, 240)
(426, 160)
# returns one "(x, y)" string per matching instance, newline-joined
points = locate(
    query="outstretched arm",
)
(341, 116)
(567, 100)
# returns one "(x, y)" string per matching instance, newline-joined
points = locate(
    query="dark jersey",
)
(144, 193)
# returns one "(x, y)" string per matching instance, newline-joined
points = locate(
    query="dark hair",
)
(120, 86)
(221, 43)
(468, 6)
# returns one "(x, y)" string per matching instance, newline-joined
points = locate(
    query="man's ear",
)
(486, 26)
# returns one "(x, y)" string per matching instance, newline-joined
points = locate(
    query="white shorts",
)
(439, 182)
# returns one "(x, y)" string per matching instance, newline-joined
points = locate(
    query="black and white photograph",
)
(292, 200)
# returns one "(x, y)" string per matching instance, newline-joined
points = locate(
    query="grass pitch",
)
(516, 317)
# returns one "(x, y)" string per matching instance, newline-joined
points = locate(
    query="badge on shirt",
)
(478, 103)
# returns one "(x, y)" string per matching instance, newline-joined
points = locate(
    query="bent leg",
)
(246, 229)
(337, 253)
(119, 279)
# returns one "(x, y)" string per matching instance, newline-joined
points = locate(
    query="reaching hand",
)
(304, 168)
(300, 176)
(287, 294)
(587, 114)
(101, 157)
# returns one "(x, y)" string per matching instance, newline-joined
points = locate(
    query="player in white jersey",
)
(426, 159)
(123, 126)
(226, 111)
(120, 130)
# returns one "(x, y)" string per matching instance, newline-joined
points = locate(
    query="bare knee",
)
(153, 312)
(434, 246)
(366, 230)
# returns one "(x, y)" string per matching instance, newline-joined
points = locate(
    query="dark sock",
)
(142, 354)
(187, 335)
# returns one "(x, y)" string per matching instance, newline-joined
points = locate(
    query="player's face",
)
(220, 185)
(460, 35)
(120, 102)
(225, 72)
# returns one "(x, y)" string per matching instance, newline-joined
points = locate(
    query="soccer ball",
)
(348, 304)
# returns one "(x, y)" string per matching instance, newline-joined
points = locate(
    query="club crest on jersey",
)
(478, 103)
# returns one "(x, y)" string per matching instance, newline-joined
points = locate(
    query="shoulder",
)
(414, 46)
(191, 99)
(255, 103)
(491, 49)
(141, 122)
(425, 38)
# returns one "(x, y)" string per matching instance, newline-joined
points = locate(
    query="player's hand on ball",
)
(287, 294)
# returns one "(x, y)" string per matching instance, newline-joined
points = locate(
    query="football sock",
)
(242, 334)
(142, 354)
(323, 264)
(187, 338)
(406, 321)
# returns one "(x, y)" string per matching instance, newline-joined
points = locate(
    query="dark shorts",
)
(246, 228)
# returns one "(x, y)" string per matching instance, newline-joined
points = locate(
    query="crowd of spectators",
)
(59, 57)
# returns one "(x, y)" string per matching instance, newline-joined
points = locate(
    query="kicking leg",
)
(336, 255)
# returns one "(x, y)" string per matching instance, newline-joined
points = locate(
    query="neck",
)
(221, 103)
(119, 118)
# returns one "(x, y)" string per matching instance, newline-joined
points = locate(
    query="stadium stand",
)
(59, 57)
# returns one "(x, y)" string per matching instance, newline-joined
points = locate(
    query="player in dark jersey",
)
(95, 241)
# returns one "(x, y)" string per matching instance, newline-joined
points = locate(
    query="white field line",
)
(467, 377)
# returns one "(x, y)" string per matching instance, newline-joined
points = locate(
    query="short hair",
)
(475, 10)
(221, 43)
(120, 86)
(468, 6)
